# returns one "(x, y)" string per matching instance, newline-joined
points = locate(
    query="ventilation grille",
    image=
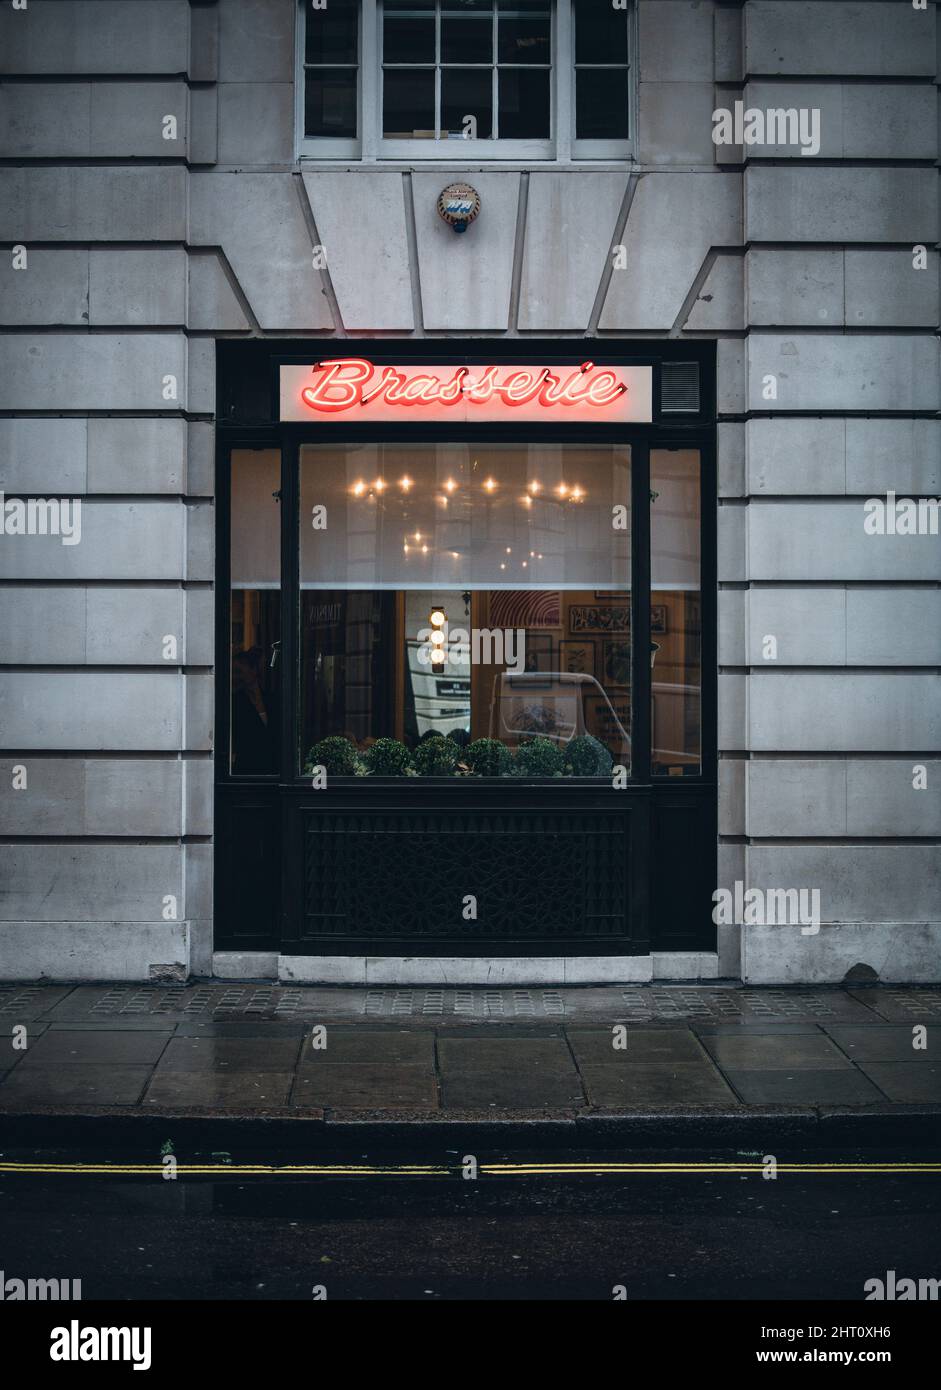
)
(679, 388)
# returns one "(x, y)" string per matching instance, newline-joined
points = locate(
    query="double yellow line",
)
(521, 1168)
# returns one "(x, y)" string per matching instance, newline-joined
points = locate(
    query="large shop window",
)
(480, 592)
(535, 79)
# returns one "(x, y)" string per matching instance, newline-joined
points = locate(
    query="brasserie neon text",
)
(350, 383)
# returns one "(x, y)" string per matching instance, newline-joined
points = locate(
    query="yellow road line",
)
(519, 1169)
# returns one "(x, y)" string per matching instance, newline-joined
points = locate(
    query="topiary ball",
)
(336, 754)
(539, 758)
(586, 756)
(488, 757)
(436, 757)
(387, 758)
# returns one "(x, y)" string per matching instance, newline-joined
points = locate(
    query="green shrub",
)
(336, 754)
(488, 757)
(436, 757)
(387, 758)
(539, 758)
(585, 756)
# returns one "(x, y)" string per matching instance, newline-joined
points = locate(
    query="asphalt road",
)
(522, 1233)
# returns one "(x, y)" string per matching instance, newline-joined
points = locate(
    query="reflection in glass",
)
(255, 602)
(675, 612)
(512, 549)
(330, 102)
(466, 92)
(408, 108)
(524, 103)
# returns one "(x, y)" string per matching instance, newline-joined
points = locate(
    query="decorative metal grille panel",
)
(535, 876)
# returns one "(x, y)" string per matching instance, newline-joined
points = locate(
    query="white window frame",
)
(370, 146)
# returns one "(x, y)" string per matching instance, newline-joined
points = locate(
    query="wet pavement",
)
(528, 1226)
(343, 1053)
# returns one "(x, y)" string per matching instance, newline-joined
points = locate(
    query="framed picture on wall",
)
(599, 617)
(577, 656)
(658, 617)
(617, 662)
(540, 654)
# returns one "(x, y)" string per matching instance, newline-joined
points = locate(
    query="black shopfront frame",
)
(560, 867)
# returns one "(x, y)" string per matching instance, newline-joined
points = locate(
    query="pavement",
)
(655, 1064)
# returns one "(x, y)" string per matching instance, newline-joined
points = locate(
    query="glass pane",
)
(330, 102)
(501, 558)
(466, 38)
(255, 600)
(600, 32)
(523, 38)
(397, 5)
(524, 103)
(466, 92)
(408, 111)
(437, 683)
(331, 34)
(675, 612)
(408, 39)
(601, 104)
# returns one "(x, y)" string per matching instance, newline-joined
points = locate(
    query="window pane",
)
(466, 39)
(506, 550)
(330, 102)
(600, 32)
(523, 38)
(408, 110)
(466, 92)
(524, 104)
(675, 612)
(409, 39)
(396, 5)
(255, 600)
(601, 104)
(331, 34)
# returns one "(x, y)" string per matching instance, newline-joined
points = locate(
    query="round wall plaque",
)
(458, 204)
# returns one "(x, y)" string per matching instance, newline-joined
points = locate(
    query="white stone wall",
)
(142, 251)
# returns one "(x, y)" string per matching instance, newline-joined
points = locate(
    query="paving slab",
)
(528, 1073)
(230, 1055)
(773, 1051)
(376, 1045)
(911, 1082)
(365, 1085)
(831, 1086)
(656, 1084)
(108, 1048)
(257, 1091)
(91, 1084)
(596, 1046)
(891, 1042)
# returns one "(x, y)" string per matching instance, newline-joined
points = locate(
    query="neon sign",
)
(344, 389)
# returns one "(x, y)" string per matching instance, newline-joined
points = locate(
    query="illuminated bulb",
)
(577, 494)
(562, 490)
(437, 638)
(509, 551)
(450, 485)
(437, 618)
(437, 656)
(418, 535)
(379, 484)
(535, 487)
(405, 483)
(424, 550)
(525, 563)
(490, 485)
(532, 554)
(502, 565)
(359, 489)
(405, 547)
(527, 501)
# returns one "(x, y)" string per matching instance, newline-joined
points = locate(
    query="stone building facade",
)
(148, 240)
